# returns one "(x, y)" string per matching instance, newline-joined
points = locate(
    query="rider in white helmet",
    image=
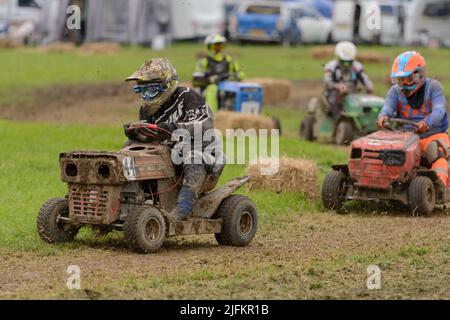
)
(342, 76)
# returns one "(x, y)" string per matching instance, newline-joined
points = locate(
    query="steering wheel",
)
(403, 122)
(149, 130)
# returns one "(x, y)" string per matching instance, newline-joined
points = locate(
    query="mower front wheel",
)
(344, 133)
(422, 196)
(307, 128)
(239, 221)
(333, 192)
(145, 229)
(51, 226)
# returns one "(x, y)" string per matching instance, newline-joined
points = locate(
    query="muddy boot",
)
(194, 176)
(185, 202)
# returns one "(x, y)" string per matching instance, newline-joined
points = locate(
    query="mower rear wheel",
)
(344, 133)
(307, 128)
(50, 227)
(145, 229)
(333, 193)
(239, 221)
(421, 196)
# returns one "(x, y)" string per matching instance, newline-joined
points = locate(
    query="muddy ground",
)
(111, 103)
(310, 255)
(316, 255)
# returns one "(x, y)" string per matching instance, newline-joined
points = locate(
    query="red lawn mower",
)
(387, 165)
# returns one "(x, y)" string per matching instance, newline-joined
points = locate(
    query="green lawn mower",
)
(358, 118)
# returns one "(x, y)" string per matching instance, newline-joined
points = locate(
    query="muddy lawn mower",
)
(387, 165)
(133, 189)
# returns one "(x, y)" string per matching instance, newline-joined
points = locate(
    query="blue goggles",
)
(149, 91)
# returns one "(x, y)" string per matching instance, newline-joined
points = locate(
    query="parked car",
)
(428, 20)
(392, 22)
(350, 21)
(191, 19)
(314, 27)
(325, 7)
(268, 21)
(13, 11)
(19, 19)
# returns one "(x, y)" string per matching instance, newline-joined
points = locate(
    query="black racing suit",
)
(186, 109)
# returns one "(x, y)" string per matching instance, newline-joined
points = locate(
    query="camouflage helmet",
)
(156, 71)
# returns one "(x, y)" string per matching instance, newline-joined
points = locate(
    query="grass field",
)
(27, 67)
(300, 250)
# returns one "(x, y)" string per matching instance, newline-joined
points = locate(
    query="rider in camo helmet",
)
(156, 81)
(171, 107)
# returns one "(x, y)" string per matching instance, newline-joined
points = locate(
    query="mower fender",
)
(207, 205)
(341, 167)
(428, 173)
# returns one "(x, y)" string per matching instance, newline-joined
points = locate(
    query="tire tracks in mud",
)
(330, 244)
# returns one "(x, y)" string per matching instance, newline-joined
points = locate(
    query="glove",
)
(421, 127)
(381, 120)
(214, 79)
(128, 134)
(341, 88)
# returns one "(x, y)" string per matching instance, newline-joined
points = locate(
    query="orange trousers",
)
(440, 166)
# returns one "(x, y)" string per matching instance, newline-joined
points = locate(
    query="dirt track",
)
(314, 255)
(317, 255)
(109, 103)
(106, 103)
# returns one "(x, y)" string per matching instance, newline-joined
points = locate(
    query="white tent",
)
(133, 21)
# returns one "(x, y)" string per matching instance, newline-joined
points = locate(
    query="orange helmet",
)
(409, 72)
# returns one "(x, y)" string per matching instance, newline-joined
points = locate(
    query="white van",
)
(192, 19)
(20, 10)
(428, 20)
(392, 22)
(350, 21)
(19, 19)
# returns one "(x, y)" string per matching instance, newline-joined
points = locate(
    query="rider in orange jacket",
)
(418, 98)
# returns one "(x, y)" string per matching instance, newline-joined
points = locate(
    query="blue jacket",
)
(433, 110)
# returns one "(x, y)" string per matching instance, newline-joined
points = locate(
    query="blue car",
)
(269, 21)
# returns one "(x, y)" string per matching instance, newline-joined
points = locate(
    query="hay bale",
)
(275, 90)
(100, 48)
(374, 57)
(224, 120)
(322, 52)
(298, 175)
(9, 43)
